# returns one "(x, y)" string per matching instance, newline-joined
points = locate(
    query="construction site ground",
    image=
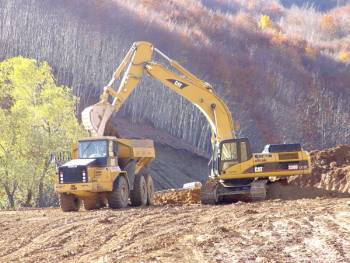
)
(306, 219)
(302, 230)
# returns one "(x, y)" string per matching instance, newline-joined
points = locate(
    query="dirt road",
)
(306, 230)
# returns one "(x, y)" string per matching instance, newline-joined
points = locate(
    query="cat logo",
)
(178, 83)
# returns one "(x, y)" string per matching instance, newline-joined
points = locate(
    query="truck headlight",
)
(84, 176)
(61, 177)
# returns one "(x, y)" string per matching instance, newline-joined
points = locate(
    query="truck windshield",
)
(92, 149)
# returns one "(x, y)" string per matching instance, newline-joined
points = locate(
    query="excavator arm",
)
(138, 62)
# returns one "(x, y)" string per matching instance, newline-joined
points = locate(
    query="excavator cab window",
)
(233, 152)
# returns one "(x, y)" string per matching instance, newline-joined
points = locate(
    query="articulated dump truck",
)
(106, 170)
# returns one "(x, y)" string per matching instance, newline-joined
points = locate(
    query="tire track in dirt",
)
(272, 231)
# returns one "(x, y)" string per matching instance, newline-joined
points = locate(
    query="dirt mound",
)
(178, 196)
(275, 191)
(330, 170)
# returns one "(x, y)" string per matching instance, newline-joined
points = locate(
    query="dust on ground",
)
(304, 230)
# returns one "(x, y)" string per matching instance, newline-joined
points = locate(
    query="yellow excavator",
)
(235, 172)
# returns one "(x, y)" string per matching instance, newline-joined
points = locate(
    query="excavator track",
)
(209, 193)
(258, 190)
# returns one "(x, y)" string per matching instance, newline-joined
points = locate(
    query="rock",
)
(333, 165)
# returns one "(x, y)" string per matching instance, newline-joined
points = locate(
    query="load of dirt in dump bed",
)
(177, 196)
(330, 170)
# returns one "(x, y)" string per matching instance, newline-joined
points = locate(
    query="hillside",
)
(275, 90)
(315, 230)
(285, 79)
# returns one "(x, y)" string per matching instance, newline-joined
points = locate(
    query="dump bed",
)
(136, 148)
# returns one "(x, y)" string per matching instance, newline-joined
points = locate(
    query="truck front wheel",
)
(119, 198)
(69, 203)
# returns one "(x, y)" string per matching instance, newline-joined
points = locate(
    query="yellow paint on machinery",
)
(101, 178)
(235, 170)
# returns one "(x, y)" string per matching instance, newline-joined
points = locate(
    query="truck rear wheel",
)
(69, 203)
(138, 195)
(119, 198)
(150, 190)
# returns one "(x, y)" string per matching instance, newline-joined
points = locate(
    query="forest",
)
(270, 62)
(281, 66)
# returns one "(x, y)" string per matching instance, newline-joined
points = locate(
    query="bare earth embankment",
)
(330, 170)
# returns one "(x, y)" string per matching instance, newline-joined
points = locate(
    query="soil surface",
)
(304, 230)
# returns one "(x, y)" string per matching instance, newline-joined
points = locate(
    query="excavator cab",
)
(232, 152)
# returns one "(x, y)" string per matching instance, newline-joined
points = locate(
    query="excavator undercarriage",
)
(214, 192)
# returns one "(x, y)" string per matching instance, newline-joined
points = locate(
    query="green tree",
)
(38, 120)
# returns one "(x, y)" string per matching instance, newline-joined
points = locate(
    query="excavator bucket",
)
(95, 117)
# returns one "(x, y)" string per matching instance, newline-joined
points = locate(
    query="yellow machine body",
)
(231, 159)
(100, 179)
(268, 165)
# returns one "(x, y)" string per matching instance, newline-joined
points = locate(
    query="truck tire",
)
(91, 203)
(130, 171)
(119, 197)
(150, 190)
(138, 195)
(69, 203)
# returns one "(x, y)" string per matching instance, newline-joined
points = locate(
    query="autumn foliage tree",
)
(37, 120)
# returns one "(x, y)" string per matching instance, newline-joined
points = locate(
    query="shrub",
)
(310, 51)
(328, 23)
(344, 56)
(265, 22)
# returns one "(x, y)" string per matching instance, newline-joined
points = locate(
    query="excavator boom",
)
(137, 62)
